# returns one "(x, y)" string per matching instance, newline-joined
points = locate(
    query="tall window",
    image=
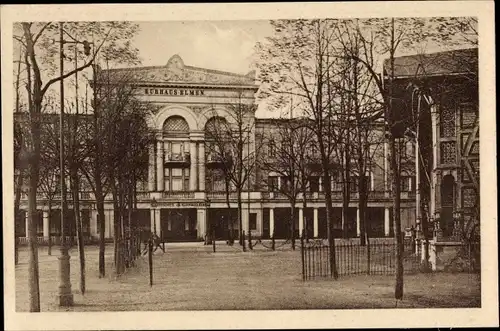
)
(272, 148)
(216, 181)
(285, 182)
(368, 182)
(407, 183)
(354, 184)
(314, 184)
(253, 221)
(336, 182)
(272, 183)
(177, 179)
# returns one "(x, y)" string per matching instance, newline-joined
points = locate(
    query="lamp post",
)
(153, 206)
(65, 296)
(207, 228)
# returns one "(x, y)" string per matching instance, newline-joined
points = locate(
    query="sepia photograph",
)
(253, 163)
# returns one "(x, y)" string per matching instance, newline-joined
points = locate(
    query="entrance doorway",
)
(178, 225)
(220, 219)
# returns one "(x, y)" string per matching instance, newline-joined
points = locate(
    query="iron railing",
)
(375, 258)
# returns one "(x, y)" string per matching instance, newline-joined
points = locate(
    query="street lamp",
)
(65, 296)
(154, 204)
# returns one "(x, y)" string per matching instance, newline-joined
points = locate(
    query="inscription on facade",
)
(184, 204)
(173, 92)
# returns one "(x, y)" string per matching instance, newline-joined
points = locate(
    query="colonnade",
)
(387, 221)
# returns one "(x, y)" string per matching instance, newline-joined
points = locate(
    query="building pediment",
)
(175, 72)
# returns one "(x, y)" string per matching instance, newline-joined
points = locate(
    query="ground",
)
(192, 277)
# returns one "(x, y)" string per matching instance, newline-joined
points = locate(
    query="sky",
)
(220, 45)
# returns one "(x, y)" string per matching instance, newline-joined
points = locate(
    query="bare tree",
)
(49, 167)
(39, 60)
(229, 143)
(289, 158)
(298, 60)
(117, 152)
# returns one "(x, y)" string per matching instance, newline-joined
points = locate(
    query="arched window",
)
(215, 127)
(175, 126)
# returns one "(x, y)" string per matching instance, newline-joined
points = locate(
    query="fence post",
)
(213, 239)
(250, 240)
(150, 258)
(469, 248)
(302, 254)
(16, 250)
(273, 242)
(243, 241)
(368, 253)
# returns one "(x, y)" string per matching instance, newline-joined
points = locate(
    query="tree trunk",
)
(97, 174)
(116, 224)
(129, 225)
(292, 225)
(346, 190)
(79, 228)
(240, 220)
(119, 228)
(329, 217)
(33, 274)
(229, 219)
(395, 170)
(49, 205)
(397, 220)
(304, 206)
(17, 213)
(362, 202)
(102, 228)
(35, 96)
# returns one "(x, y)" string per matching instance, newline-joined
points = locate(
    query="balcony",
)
(378, 195)
(177, 159)
(408, 195)
(177, 195)
(214, 161)
(86, 196)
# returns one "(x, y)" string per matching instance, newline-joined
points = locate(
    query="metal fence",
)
(375, 258)
(56, 240)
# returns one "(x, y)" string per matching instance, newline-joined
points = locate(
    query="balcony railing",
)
(143, 195)
(177, 195)
(336, 195)
(378, 195)
(86, 195)
(177, 158)
(221, 195)
(216, 160)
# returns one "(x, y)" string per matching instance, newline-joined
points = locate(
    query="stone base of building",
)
(450, 256)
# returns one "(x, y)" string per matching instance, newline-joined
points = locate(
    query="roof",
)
(455, 62)
(175, 72)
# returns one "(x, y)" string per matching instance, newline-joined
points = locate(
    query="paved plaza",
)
(190, 276)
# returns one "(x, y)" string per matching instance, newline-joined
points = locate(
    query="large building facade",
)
(440, 103)
(182, 200)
